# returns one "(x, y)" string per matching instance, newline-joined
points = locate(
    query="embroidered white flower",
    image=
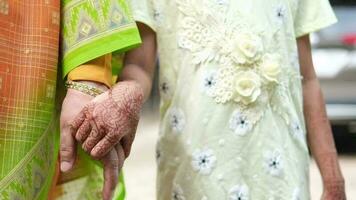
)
(158, 15)
(270, 67)
(158, 155)
(236, 47)
(247, 48)
(274, 163)
(247, 87)
(164, 88)
(296, 194)
(280, 14)
(239, 123)
(239, 192)
(209, 82)
(177, 193)
(297, 130)
(203, 161)
(222, 2)
(177, 120)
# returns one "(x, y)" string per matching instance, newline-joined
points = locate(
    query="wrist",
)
(128, 94)
(95, 84)
(127, 88)
(87, 87)
(331, 184)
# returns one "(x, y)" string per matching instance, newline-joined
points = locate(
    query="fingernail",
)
(94, 152)
(65, 166)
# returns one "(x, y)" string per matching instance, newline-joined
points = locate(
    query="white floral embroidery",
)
(239, 123)
(164, 87)
(247, 87)
(209, 82)
(158, 155)
(239, 192)
(177, 120)
(280, 14)
(224, 89)
(158, 17)
(274, 163)
(215, 44)
(222, 2)
(203, 161)
(237, 49)
(296, 194)
(270, 67)
(297, 130)
(177, 192)
(165, 90)
(247, 48)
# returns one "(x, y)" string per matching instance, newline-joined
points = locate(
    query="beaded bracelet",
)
(82, 87)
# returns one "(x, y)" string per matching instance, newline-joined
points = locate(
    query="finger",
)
(67, 150)
(94, 137)
(77, 122)
(105, 145)
(111, 174)
(126, 143)
(120, 154)
(83, 131)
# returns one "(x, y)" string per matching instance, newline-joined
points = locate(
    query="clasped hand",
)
(105, 126)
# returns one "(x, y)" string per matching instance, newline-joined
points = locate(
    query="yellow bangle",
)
(82, 87)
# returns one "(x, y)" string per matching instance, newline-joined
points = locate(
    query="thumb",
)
(67, 150)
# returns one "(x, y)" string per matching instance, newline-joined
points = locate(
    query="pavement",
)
(140, 168)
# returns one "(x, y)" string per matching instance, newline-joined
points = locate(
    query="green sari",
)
(29, 88)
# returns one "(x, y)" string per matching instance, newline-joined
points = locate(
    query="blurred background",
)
(334, 54)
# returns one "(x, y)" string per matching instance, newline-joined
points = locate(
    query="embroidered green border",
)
(119, 41)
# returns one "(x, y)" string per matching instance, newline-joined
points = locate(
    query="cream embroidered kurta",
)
(232, 123)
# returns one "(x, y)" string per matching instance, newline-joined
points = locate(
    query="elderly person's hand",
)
(73, 104)
(111, 118)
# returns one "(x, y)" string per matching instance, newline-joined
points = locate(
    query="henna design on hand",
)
(114, 117)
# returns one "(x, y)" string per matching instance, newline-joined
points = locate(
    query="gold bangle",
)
(82, 87)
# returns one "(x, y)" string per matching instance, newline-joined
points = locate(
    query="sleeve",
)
(98, 70)
(143, 11)
(313, 15)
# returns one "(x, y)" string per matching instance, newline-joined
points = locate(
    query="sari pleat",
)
(29, 39)
(29, 59)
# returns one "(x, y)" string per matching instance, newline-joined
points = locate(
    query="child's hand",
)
(334, 190)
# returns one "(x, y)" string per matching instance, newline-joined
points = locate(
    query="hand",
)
(109, 119)
(334, 190)
(112, 162)
(73, 103)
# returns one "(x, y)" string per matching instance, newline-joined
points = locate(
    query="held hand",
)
(73, 103)
(334, 190)
(112, 162)
(109, 119)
